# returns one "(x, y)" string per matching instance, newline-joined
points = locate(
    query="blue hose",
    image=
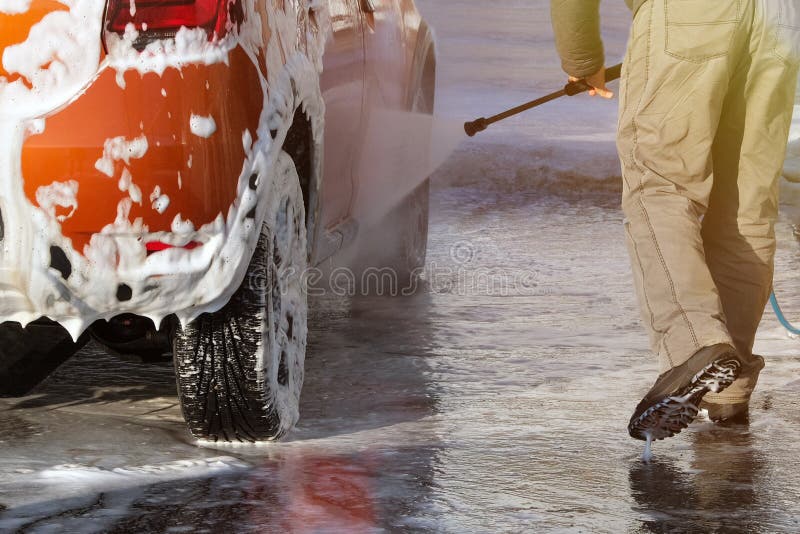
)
(781, 317)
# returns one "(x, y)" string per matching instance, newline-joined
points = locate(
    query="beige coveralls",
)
(705, 108)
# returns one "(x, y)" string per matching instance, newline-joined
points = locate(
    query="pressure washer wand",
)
(571, 89)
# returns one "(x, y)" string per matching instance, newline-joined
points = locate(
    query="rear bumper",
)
(135, 182)
(177, 136)
(134, 199)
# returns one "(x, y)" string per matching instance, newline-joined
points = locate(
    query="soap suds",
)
(14, 7)
(59, 57)
(126, 185)
(83, 478)
(58, 194)
(202, 126)
(179, 226)
(190, 45)
(120, 149)
(161, 203)
(58, 62)
(247, 140)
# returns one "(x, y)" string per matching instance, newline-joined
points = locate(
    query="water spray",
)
(571, 89)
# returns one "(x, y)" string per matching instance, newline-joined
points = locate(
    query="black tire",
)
(240, 369)
(403, 239)
(29, 355)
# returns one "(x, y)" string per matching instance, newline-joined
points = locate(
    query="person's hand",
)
(597, 82)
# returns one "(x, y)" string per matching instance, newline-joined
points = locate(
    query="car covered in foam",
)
(170, 170)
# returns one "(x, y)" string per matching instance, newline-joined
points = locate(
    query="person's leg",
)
(748, 154)
(681, 56)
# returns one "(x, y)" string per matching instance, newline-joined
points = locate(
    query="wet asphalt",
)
(493, 400)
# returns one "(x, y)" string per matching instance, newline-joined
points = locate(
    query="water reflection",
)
(300, 493)
(360, 460)
(361, 492)
(323, 491)
(715, 491)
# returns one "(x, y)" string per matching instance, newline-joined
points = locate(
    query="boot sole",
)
(672, 414)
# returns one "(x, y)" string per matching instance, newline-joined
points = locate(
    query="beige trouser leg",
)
(706, 104)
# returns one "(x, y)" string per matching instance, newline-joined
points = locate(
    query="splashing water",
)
(401, 150)
(647, 455)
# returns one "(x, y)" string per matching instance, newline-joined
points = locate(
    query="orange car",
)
(189, 160)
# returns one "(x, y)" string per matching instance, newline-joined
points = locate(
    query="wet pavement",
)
(494, 400)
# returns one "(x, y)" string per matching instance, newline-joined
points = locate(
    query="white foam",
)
(190, 45)
(179, 226)
(120, 149)
(126, 184)
(202, 126)
(60, 58)
(161, 203)
(62, 194)
(84, 476)
(156, 193)
(14, 7)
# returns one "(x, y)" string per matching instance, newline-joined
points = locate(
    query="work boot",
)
(672, 403)
(733, 405)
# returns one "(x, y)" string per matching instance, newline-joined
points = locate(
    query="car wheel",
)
(412, 242)
(240, 369)
(28, 355)
(415, 209)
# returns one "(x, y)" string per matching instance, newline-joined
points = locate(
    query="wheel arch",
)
(304, 146)
(423, 67)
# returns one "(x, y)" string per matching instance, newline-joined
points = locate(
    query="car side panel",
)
(342, 83)
(392, 142)
(386, 45)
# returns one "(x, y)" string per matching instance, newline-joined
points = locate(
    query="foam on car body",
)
(58, 61)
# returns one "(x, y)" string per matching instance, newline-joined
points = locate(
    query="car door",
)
(342, 83)
(393, 141)
(386, 48)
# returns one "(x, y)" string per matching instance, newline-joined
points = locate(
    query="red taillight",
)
(157, 19)
(158, 246)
